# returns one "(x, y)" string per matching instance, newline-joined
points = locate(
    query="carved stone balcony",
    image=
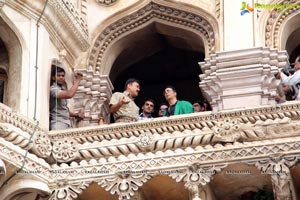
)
(196, 149)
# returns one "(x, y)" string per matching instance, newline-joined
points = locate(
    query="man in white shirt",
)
(292, 83)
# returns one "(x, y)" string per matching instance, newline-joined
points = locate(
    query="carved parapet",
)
(252, 68)
(7, 115)
(93, 97)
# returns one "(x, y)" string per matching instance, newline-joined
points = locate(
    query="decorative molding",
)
(65, 150)
(42, 145)
(278, 167)
(152, 11)
(218, 8)
(227, 130)
(15, 156)
(197, 176)
(14, 135)
(68, 191)
(262, 116)
(7, 115)
(145, 140)
(106, 2)
(125, 184)
(223, 70)
(93, 96)
(71, 18)
(274, 22)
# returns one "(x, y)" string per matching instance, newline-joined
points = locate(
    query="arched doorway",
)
(159, 44)
(10, 64)
(157, 58)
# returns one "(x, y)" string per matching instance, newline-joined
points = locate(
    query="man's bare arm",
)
(115, 107)
(71, 92)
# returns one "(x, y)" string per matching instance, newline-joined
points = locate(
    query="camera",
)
(288, 70)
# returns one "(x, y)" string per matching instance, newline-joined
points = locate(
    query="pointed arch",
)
(15, 46)
(278, 25)
(197, 22)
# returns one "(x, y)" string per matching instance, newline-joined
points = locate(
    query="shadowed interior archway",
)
(158, 58)
(11, 62)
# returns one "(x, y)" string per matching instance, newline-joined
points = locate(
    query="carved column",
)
(125, 185)
(93, 97)
(196, 180)
(278, 168)
(253, 69)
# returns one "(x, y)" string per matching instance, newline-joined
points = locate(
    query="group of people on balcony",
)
(289, 83)
(121, 104)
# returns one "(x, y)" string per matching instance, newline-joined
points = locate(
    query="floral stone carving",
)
(42, 145)
(65, 150)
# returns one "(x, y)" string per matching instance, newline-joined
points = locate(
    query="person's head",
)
(132, 86)
(58, 75)
(198, 106)
(297, 63)
(162, 108)
(148, 106)
(170, 93)
(207, 106)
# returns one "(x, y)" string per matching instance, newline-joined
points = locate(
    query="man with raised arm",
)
(122, 104)
(59, 111)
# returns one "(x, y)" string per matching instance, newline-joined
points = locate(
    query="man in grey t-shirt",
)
(59, 111)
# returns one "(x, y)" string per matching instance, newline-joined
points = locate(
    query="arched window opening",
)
(159, 59)
(3, 83)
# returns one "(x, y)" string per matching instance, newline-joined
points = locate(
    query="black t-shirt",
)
(171, 109)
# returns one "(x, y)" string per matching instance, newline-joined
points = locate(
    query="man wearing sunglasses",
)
(147, 110)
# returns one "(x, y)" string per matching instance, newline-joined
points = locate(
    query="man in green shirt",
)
(122, 104)
(176, 107)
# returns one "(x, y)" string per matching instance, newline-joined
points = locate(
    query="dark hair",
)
(170, 86)
(130, 81)
(163, 104)
(56, 69)
(151, 100)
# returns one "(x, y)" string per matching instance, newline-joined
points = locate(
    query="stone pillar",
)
(243, 78)
(203, 193)
(93, 97)
(283, 186)
(278, 167)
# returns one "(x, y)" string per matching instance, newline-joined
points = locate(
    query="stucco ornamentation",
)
(125, 184)
(278, 167)
(68, 191)
(65, 150)
(42, 145)
(145, 140)
(106, 2)
(227, 130)
(152, 11)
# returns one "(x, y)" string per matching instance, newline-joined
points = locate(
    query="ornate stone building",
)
(246, 147)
